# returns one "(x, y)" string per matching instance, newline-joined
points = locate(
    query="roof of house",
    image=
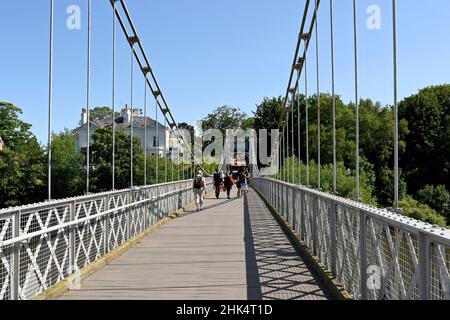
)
(138, 122)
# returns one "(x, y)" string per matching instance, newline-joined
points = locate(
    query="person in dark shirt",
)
(228, 182)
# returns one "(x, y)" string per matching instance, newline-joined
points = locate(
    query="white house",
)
(2, 144)
(160, 140)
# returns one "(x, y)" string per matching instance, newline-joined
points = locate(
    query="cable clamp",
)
(146, 70)
(305, 36)
(132, 40)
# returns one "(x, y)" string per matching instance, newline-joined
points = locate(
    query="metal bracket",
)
(305, 36)
(146, 70)
(156, 93)
(132, 40)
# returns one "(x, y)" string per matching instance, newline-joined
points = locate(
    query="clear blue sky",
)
(207, 53)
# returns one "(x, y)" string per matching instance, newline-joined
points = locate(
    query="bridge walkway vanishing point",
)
(233, 249)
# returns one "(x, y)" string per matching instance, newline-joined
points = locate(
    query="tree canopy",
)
(22, 163)
(223, 118)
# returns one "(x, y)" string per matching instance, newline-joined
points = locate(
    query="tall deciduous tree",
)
(22, 162)
(101, 148)
(224, 118)
(67, 166)
(427, 156)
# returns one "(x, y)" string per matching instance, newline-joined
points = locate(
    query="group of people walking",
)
(225, 182)
(222, 183)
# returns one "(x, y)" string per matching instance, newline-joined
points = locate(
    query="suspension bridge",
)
(282, 240)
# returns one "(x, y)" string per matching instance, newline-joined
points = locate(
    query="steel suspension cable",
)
(285, 163)
(307, 121)
(333, 97)
(355, 34)
(50, 103)
(287, 148)
(132, 120)
(318, 96)
(299, 133)
(114, 98)
(282, 156)
(143, 62)
(145, 131)
(165, 150)
(157, 145)
(396, 137)
(88, 98)
(171, 161)
(292, 137)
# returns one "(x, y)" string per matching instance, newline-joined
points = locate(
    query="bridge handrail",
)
(57, 202)
(42, 244)
(395, 219)
(411, 257)
(62, 226)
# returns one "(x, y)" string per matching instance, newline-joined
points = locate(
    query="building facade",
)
(160, 140)
(2, 144)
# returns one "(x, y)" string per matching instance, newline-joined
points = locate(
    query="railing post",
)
(15, 263)
(294, 203)
(363, 253)
(72, 262)
(288, 204)
(130, 201)
(280, 199)
(333, 240)
(314, 224)
(301, 228)
(275, 194)
(157, 204)
(106, 226)
(424, 266)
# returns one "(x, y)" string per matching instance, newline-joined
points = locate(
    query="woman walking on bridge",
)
(199, 187)
(228, 182)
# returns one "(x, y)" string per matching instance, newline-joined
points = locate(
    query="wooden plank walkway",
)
(232, 250)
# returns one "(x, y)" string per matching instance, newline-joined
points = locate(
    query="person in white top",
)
(199, 188)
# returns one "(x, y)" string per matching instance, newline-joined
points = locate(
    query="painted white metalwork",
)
(41, 244)
(352, 240)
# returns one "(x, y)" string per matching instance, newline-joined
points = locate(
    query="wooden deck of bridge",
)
(233, 249)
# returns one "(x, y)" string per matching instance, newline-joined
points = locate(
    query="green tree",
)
(268, 113)
(413, 209)
(223, 118)
(438, 198)
(67, 166)
(101, 148)
(426, 160)
(22, 162)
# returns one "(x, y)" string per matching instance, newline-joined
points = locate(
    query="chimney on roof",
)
(126, 114)
(83, 116)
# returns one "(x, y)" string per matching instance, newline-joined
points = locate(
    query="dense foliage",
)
(424, 129)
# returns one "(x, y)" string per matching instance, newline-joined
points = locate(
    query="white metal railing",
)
(373, 253)
(41, 244)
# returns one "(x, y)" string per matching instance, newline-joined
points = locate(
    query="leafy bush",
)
(345, 178)
(416, 210)
(438, 198)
